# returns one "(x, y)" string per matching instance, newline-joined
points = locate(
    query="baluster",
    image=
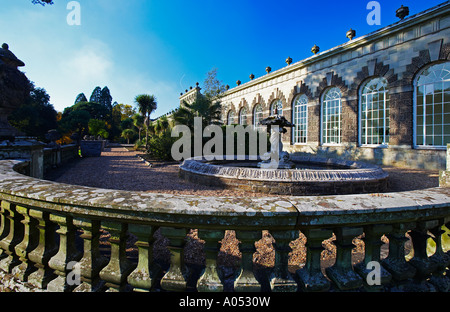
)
(447, 245)
(30, 242)
(14, 237)
(396, 263)
(424, 267)
(372, 248)
(147, 270)
(119, 267)
(310, 276)
(46, 249)
(441, 259)
(92, 262)
(420, 260)
(4, 225)
(282, 280)
(174, 279)
(210, 280)
(67, 254)
(246, 282)
(341, 273)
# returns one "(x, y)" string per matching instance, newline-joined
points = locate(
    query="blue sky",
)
(163, 47)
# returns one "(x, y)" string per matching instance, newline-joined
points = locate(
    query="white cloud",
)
(90, 64)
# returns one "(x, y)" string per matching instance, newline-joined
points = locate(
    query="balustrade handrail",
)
(33, 210)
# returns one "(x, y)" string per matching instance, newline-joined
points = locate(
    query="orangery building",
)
(383, 97)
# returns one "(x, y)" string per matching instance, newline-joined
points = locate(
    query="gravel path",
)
(119, 168)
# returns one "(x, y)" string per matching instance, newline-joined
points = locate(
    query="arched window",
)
(374, 110)
(230, 118)
(331, 116)
(276, 104)
(432, 106)
(243, 116)
(257, 116)
(300, 118)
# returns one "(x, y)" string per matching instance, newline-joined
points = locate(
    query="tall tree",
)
(42, 2)
(96, 95)
(81, 98)
(106, 98)
(212, 86)
(146, 105)
(36, 116)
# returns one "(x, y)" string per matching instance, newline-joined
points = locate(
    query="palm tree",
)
(138, 122)
(128, 134)
(146, 105)
(207, 108)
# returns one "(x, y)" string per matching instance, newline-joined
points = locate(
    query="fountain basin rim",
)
(346, 171)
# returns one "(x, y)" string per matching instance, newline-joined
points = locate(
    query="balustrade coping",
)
(243, 213)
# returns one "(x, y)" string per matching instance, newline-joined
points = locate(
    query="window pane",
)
(375, 112)
(434, 82)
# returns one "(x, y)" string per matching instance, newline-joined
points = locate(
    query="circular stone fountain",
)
(288, 175)
(311, 176)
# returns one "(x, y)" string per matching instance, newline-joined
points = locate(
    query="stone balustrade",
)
(50, 231)
(58, 156)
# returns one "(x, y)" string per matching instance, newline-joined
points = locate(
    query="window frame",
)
(261, 112)
(324, 104)
(294, 119)
(231, 112)
(280, 107)
(386, 102)
(241, 115)
(415, 108)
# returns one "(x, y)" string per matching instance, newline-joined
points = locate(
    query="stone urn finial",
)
(227, 87)
(289, 61)
(268, 69)
(238, 82)
(252, 76)
(315, 49)
(402, 12)
(351, 34)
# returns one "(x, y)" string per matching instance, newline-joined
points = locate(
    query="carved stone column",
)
(311, 277)
(372, 250)
(423, 264)
(29, 243)
(45, 249)
(92, 262)
(119, 267)
(4, 224)
(14, 237)
(67, 254)
(396, 263)
(341, 273)
(246, 282)
(210, 280)
(282, 280)
(441, 259)
(147, 271)
(174, 279)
